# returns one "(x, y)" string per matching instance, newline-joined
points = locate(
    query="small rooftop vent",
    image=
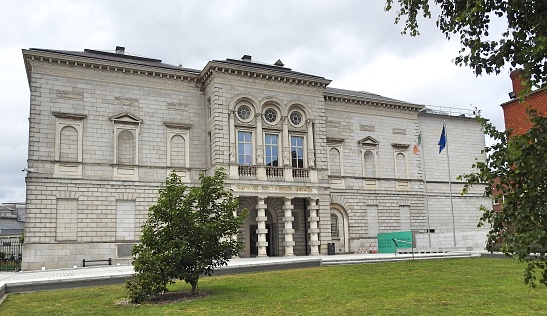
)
(246, 57)
(120, 50)
(279, 63)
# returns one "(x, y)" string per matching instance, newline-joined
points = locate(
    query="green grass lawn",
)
(471, 286)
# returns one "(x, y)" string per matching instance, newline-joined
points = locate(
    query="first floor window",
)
(297, 151)
(334, 232)
(244, 148)
(271, 143)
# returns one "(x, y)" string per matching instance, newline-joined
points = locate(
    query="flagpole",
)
(450, 184)
(425, 191)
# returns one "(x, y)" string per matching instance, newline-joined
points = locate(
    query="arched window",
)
(401, 166)
(68, 144)
(334, 231)
(126, 148)
(334, 162)
(370, 164)
(178, 151)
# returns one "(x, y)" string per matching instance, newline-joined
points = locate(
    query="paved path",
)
(11, 282)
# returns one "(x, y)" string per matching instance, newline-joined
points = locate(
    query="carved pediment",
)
(368, 141)
(126, 118)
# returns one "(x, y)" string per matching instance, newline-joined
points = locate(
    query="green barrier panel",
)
(386, 245)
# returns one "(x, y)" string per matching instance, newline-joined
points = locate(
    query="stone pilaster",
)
(310, 149)
(286, 150)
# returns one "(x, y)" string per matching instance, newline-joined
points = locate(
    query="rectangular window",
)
(297, 151)
(244, 148)
(271, 143)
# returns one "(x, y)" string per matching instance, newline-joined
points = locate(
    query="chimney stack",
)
(120, 50)
(246, 57)
(517, 77)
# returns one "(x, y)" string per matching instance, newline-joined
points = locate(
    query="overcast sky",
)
(354, 43)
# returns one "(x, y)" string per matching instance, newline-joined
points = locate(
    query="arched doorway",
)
(339, 228)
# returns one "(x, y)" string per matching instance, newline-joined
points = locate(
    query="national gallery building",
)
(315, 166)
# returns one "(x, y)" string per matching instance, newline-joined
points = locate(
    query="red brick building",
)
(514, 111)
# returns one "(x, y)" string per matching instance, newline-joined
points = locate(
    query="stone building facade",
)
(313, 164)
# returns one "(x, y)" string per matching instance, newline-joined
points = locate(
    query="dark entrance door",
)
(270, 237)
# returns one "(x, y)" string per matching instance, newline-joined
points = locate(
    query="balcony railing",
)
(274, 172)
(300, 173)
(247, 171)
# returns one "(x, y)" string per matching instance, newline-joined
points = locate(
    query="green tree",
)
(189, 233)
(518, 166)
(523, 43)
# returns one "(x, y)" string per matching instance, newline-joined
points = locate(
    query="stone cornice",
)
(71, 116)
(174, 125)
(106, 65)
(373, 103)
(261, 74)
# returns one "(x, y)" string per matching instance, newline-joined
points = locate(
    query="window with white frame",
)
(297, 151)
(271, 148)
(244, 148)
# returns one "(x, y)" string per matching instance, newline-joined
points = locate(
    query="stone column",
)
(288, 231)
(261, 231)
(286, 150)
(314, 230)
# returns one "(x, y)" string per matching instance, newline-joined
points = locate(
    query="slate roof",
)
(366, 96)
(111, 56)
(280, 70)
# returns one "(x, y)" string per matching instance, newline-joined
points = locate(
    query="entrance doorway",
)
(271, 238)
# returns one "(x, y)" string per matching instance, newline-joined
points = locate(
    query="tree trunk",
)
(194, 287)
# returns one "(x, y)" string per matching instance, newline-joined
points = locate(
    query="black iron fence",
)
(11, 253)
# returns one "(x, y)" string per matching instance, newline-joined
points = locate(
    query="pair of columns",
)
(288, 230)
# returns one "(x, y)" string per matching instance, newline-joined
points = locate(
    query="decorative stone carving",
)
(286, 158)
(367, 128)
(311, 160)
(70, 95)
(126, 101)
(400, 131)
(333, 124)
(177, 106)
